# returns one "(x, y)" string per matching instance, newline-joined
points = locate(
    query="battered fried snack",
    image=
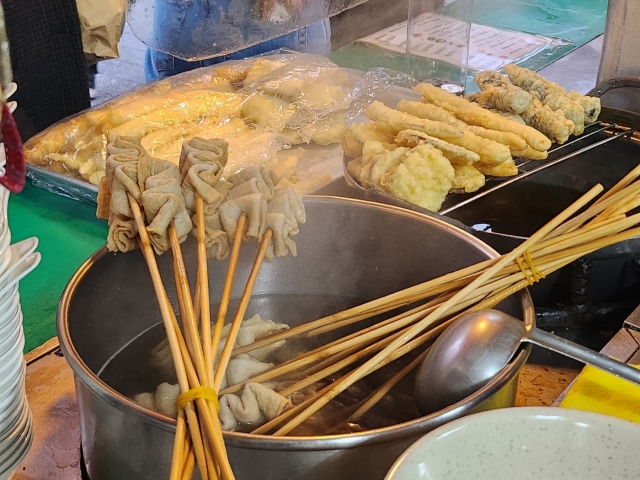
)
(475, 98)
(591, 106)
(355, 136)
(420, 175)
(498, 91)
(550, 94)
(552, 123)
(424, 177)
(374, 151)
(393, 121)
(511, 140)
(506, 169)
(475, 115)
(433, 112)
(456, 155)
(468, 179)
(530, 154)
(490, 152)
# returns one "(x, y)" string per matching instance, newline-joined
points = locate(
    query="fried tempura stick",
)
(591, 106)
(433, 112)
(475, 98)
(506, 169)
(355, 136)
(549, 93)
(552, 123)
(511, 140)
(491, 153)
(393, 121)
(455, 154)
(530, 154)
(476, 115)
(498, 91)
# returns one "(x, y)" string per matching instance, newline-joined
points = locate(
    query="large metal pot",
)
(348, 249)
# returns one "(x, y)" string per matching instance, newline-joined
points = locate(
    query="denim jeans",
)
(315, 38)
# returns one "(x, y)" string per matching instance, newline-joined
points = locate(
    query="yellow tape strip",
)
(206, 393)
(526, 261)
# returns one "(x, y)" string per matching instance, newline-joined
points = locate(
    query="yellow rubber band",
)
(537, 274)
(206, 393)
(525, 262)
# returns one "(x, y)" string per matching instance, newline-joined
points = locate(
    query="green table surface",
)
(69, 233)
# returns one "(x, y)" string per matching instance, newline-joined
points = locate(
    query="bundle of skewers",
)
(584, 227)
(155, 204)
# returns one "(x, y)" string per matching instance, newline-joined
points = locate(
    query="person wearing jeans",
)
(180, 22)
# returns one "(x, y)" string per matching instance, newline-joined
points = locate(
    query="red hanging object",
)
(15, 169)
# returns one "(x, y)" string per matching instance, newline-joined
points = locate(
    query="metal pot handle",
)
(613, 83)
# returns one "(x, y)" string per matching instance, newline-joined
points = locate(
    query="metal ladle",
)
(477, 346)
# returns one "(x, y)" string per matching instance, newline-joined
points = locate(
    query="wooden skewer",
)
(436, 301)
(328, 323)
(228, 283)
(188, 316)
(379, 394)
(203, 309)
(338, 365)
(298, 375)
(179, 453)
(621, 185)
(327, 351)
(592, 213)
(415, 330)
(167, 311)
(627, 207)
(334, 351)
(410, 346)
(206, 409)
(242, 309)
(375, 307)
(189, 466)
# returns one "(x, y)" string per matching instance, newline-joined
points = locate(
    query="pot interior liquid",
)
(131, 371)
(519, 209)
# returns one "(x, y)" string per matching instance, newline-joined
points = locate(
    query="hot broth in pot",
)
(135, 368)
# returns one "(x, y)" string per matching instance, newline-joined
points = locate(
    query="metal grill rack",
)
(557, 155)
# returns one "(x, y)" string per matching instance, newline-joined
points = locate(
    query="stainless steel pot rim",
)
(330, 442)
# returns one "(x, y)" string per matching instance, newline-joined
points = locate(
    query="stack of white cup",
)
(16, 420)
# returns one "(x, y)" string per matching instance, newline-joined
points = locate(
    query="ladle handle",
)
(582, 354)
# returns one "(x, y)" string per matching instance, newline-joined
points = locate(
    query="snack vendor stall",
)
(109, 321)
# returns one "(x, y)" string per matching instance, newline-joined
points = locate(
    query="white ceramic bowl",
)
(526, 443)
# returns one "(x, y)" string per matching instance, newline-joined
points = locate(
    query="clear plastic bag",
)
(261, 106)
(202, 29)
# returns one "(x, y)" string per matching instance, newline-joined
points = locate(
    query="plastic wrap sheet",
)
(263, 107)
(201, 29)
